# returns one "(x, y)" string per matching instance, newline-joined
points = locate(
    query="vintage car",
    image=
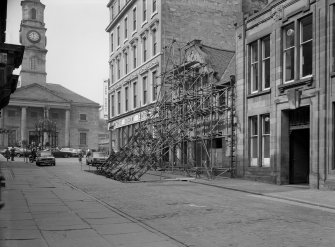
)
(72, 151)
(96, 158)
(60, 154)
(45, 158)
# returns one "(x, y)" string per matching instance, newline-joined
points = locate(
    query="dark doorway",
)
(299, 156)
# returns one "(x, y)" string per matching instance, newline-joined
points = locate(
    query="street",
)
(191, 214)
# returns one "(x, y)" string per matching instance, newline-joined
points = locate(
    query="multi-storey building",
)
(141, 33)
(285, 76)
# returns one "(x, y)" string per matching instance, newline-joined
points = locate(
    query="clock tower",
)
(32, 36)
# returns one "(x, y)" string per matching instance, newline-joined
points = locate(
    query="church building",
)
(41, 112)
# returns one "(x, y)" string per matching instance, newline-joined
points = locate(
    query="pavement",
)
(43, 210)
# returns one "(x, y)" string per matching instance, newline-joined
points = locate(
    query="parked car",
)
(45, 158)
(72, 151)
(96, 158)
(19, 152)
(60, 154)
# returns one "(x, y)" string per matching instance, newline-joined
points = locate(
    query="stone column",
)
(24, 124)
(67, 128)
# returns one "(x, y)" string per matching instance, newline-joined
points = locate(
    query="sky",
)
(77, 43)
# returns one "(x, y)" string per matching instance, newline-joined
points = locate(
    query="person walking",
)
(12, 153)
(7, 154)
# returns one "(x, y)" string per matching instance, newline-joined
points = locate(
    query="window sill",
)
(153, 14)
(252, 95)
(126, 39)
(145, 22)
(133, 33)
(303, 81)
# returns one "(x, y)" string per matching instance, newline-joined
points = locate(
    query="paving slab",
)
(75, 238)
(24, 243)
(123, 228)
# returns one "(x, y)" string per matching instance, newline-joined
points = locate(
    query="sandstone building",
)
(141, 36)
(285, 101)
(74, 116)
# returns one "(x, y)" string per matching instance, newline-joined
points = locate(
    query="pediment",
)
(37, 92)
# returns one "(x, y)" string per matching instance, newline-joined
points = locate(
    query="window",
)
(112, 103)
(11, 113)
(259, 145)
(265, 140)
(126, 28)
(154, 6)
(82, 117)
(126, 98)
(254, 67)
(126, 63)
(118, 6)
(304, 43)
(259, 74)
(145, 90)
(306, 46)
(33, 14)
(154, 42)
(12, 138)
(134, 57)
(253, 142)
(135, 95)
(154, 85)
(119, 102)
(33, 63)
(266, 63)
(83, 139)
(144, 40)
(118, 35)
(112, 12)
(112, 73)
(112, 42)
(134, 19)
(144, 10)
(54, 115)
(118, 69)
(289, 49)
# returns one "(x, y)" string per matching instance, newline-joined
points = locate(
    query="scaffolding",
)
(191, 128)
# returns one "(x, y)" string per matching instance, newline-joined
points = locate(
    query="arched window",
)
(33, 63)
(33, 14)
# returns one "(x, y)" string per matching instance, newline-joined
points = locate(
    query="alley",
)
(66, 205)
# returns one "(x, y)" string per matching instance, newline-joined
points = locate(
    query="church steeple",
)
(32, 36)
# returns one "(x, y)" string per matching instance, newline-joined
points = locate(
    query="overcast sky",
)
(77, 43)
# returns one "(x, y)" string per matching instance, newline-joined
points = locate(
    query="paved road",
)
(199, 215)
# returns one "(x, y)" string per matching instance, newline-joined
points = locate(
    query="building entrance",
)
(299, 146)
(299, 156)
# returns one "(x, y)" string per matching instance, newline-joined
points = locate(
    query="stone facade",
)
(165, 22)
(285, 99)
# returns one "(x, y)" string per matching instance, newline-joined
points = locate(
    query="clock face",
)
(33, 36)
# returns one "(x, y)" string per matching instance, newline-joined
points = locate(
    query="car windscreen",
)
(99, 155)
(45, 153)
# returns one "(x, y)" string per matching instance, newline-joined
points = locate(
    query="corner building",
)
(285, 93)
(140, 32)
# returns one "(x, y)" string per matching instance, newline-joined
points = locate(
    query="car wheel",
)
(18, 155)
(66, 155)
(38, 164)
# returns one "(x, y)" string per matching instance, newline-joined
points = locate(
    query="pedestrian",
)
(7, 154)
(12, 153)
(80, 157)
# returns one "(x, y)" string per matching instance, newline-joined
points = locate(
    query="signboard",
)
(105, 99)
